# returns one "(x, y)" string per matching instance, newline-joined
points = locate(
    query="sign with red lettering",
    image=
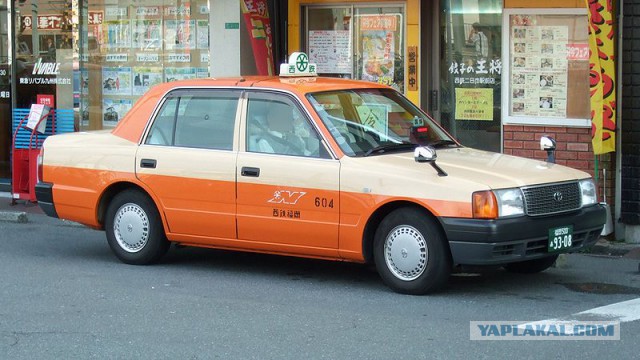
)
(96, 17)
(45, 22)
(378, 22)
(48, 100)
(578, 52)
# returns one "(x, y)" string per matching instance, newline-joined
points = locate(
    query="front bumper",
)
(44, 195)
(502, 241)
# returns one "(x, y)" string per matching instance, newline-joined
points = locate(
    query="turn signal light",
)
(485, 205)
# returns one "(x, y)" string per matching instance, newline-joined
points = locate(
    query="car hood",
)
(465, 165)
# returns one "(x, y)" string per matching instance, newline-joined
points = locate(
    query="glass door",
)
(364, 42)
(470, 38)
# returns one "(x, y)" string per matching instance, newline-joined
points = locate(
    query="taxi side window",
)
(200, 120)
(275, 125)
(162, 130)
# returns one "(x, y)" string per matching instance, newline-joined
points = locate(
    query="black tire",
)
(531, 266)
(419, 240)
(138, 213)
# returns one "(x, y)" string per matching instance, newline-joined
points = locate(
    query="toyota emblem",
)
(557, 196)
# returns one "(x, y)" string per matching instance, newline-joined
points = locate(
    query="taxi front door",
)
(287, 184)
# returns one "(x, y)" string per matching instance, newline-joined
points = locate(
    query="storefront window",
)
(361, 42)
(470, 71)
(130, 48)
(5, 92)
(548, 72)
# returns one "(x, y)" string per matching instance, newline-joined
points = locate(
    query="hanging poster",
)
(113, 110)
(180, 34)
(117, 34)
(147, 34)
(144, 78)
(116, 81)
(179, 73)
(258, 24)
(202, 34)
(474, 104)
(378, 56)
(330, 50)
(539, 69)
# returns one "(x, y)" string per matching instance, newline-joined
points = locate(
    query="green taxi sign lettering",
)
(298, 65)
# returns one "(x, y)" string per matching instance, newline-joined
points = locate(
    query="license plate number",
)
(560, 238)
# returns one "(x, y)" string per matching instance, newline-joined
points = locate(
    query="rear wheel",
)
(134, 229)
(411, 253)
(531, 266)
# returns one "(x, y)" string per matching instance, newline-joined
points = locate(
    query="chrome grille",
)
(552, 199)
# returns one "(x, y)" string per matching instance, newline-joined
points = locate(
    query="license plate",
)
(560, 238)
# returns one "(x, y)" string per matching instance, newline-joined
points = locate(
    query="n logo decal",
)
(286, 197)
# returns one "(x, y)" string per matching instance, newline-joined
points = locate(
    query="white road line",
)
(625, 311)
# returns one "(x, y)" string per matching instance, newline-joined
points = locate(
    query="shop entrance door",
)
(464, 60)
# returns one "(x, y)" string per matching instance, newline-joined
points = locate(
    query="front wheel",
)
(411, 253)
(134, 229)
(531, 266)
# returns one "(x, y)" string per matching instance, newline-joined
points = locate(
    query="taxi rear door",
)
(188, 161)
(288, 183)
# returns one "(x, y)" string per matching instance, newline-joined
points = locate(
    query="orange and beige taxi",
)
(313, 167)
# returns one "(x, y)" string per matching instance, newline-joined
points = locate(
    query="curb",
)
(14, 216)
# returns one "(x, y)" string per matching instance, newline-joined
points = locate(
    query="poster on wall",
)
(147, 34)
(144, 78)
(202, 34)
(378, 56)
(331, 50)
(113, 110)
(116, 81)
(179, 73)
(539, 69)
(117, 34)
(180, 34)
(474, 104)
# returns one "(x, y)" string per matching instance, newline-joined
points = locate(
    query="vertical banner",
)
(602, 75)
(256, 18)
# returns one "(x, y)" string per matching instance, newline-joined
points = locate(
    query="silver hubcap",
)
(406, 253)
(131, 227)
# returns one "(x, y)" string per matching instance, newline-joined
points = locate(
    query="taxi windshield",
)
(374, 121)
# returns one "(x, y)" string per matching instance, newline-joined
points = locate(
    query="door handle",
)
(250, 171)
(148, 163)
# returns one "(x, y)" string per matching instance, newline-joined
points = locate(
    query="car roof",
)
(300, 85)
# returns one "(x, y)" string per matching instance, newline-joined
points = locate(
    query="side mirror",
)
(425, 154)
(548, 144)
(428, 154)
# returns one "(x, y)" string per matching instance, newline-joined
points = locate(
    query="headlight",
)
(510, 202)
(588, 191)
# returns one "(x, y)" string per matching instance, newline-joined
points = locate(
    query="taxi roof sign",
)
(298, 65)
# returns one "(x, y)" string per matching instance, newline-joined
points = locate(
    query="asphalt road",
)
(64, 295)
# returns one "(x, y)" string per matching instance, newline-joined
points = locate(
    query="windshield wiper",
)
(444, 142)
(390, 147)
